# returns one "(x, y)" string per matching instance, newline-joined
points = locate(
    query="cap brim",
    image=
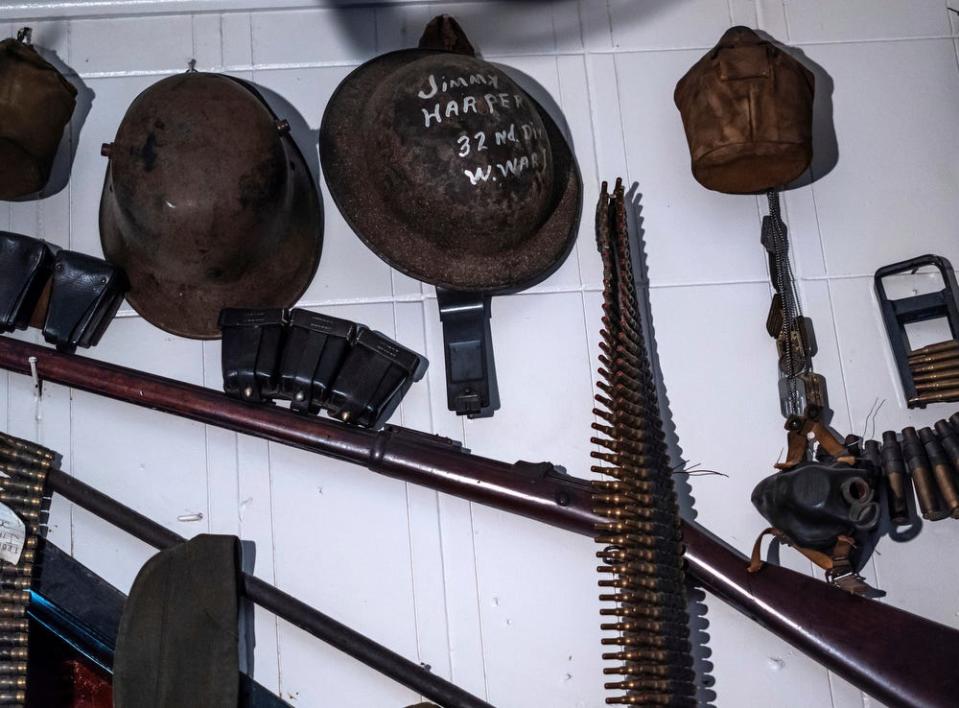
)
(343, 156)
(193, 309)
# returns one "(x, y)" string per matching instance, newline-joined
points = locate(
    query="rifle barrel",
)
(893, 655)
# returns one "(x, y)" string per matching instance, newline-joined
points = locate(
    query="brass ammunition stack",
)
(927, 460)
(642, 545)
(24, 467)
(935, 373)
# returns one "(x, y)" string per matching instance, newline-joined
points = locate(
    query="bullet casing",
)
(949, 394)
(937, 385)
(942, 471)
(934, 348)
(921, 472)
(894, 472)
(934, 357)
(950, 363)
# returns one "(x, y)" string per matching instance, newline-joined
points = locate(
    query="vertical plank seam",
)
(476, 582)
(438, 506)
(276, 622)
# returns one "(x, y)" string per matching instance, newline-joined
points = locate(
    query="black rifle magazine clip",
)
(470, 372)
(251, 350)
(373, 380)
(316, 347)
(896, 314)
(85, 295)
(25, 267)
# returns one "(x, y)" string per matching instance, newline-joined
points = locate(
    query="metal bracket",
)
(470, 371)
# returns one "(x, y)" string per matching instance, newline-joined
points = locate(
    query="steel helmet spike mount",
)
(454, 175)
(36, 103)
(191, 245)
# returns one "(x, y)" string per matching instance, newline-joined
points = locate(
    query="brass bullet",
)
(19, 596)
(942, 470)
(932, 358)
(13, 667)
(948, 394)
(8, 682)
(15, 697)
(919, 467)
(894, 471)
(917, 368)
(950, 373)
(13, 631)
(934, 348)
(939, 385)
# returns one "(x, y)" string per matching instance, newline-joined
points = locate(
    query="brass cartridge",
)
(921, 472)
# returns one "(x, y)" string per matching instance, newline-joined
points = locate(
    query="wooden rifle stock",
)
(893, 655)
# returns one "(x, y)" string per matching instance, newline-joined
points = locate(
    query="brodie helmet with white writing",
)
(448, 170)
(207, 204)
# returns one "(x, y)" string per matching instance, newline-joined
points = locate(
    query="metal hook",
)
(37, 385)
(192, 65)
(25, 36)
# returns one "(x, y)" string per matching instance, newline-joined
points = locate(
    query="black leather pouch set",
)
(317, 363)
(71, 296)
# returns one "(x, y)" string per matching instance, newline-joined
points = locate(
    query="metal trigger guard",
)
(468, 348)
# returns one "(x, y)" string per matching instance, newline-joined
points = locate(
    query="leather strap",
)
(837, 564)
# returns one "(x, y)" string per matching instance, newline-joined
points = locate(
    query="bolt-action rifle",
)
(893, 655)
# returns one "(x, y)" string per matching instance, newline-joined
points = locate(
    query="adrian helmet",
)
(36, 103)
(448, 170)
(207, 204)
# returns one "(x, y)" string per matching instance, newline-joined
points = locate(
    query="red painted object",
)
(91, 687)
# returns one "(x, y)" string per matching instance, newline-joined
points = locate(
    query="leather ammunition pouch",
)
(317, 346)
(251, 352)
(24, 271)
(375, 376)
(85, 295)
(317, 363)
(71, 295)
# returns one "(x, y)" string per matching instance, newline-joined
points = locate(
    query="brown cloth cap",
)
(208, 203)
(448, 170)
(747, 110)
(36, 103)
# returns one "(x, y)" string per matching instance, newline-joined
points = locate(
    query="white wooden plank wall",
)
(501, 605)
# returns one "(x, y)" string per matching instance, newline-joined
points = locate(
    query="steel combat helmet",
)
(448, 170)
(36, 103)
(453, 174)
(208, 203)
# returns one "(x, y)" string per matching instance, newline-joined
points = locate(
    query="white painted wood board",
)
(501, 605)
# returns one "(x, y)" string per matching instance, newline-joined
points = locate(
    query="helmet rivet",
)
(283, 126)
(248, 392)
(106, 149)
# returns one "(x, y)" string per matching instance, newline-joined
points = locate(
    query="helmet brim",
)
(343, 157)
